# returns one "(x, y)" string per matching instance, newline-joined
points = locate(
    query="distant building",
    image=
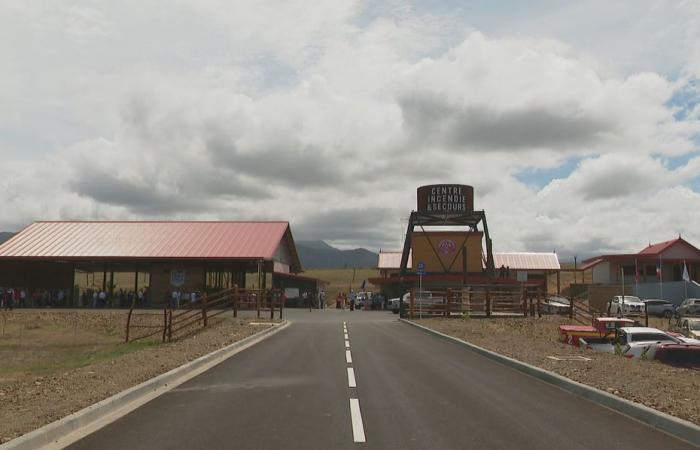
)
(662, 262)
(159, 256)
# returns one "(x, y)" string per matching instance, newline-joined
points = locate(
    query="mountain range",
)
(319, 255)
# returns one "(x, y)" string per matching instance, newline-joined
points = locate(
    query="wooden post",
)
(410, 304)
(571, 307)
(165, 322)
(646, 315)
(236, 297)
(204, 311)
(128, 322)
(488, 302)
(532, 307)
(271, 295)
(448, 303)
(539, 305)
(170, 324)
(558, 283)
(111, 287)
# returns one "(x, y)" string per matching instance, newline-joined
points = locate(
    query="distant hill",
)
(319, 255)
(5, 235)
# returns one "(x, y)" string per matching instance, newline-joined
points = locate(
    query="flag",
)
(686, 276)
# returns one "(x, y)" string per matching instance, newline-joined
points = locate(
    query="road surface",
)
(412, 391)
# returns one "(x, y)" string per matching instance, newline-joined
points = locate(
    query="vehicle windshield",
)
(630, 298)
(650, 337)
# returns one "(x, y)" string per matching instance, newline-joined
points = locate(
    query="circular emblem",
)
(447, 246)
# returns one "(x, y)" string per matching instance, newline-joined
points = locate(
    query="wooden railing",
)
(581, 311)
(182, 321)
(475, 301)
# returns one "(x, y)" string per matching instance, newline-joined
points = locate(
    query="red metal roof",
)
(659, 248)
(527, 261)
(81, 240)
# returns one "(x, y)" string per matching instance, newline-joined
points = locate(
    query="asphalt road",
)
(414, 391)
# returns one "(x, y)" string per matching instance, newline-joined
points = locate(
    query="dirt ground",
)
(53, 363)
(673, 390)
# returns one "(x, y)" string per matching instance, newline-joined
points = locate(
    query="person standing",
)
(9, 299)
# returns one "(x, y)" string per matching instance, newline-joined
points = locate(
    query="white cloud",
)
(331, 117)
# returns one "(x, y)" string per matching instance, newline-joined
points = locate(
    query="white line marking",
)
(348, 357)
(347, 344)
(346, 336)
(351, 378)
(358, 431)
(343, 323)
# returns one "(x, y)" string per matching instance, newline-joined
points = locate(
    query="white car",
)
(629, 306)
(641, 342)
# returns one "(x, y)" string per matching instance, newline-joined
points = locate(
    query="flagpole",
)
(661, 277)
(686, 278)
(636, 278)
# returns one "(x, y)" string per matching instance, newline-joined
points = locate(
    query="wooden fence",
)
(174, 323)
(475, 301)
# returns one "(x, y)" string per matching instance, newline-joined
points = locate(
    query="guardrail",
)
(176, 323)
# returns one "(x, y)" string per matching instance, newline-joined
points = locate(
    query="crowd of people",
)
(17, 297)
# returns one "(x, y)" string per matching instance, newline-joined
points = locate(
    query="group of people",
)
(17, 297)
(14, 297)
(99, 298)
(175, 298)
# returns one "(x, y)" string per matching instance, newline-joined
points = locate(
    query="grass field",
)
(342, 280)
(40, 343)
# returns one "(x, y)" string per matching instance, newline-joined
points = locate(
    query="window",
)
(650, 271)
(651, 337)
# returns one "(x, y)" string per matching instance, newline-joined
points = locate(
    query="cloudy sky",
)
(577, 123)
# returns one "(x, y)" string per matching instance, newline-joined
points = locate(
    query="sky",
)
(577, 123)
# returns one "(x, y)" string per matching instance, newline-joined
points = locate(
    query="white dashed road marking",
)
(347, 344)
(358, 430)
(351, 378)
(348, 357)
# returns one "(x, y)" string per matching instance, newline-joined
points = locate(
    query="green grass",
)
(73, 358)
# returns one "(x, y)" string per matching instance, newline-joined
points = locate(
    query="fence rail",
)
(475, 301)
(182, 321)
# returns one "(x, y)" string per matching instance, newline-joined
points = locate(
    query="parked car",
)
(556, 305)
(661, 308)
(688, 327)
(629, 306)
(394, 304)
(689, 307)
(640, 342)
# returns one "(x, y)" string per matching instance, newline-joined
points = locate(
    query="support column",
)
(558, 283)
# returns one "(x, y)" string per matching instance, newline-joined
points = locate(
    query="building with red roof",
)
(661, 262)
(75, 256)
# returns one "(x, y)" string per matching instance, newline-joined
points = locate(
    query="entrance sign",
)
(421, 268)
(446, 199)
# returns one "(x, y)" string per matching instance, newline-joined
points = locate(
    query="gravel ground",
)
(33, 401)
(673, 390)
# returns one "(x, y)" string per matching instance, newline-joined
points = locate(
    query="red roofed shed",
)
(183, 255)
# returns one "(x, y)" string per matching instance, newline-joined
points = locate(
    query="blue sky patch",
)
(539, 178)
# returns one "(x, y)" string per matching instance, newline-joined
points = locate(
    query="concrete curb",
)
(674, 426)
(58, 434)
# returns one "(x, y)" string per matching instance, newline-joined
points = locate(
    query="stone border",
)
(73, 427)
(674, 426)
